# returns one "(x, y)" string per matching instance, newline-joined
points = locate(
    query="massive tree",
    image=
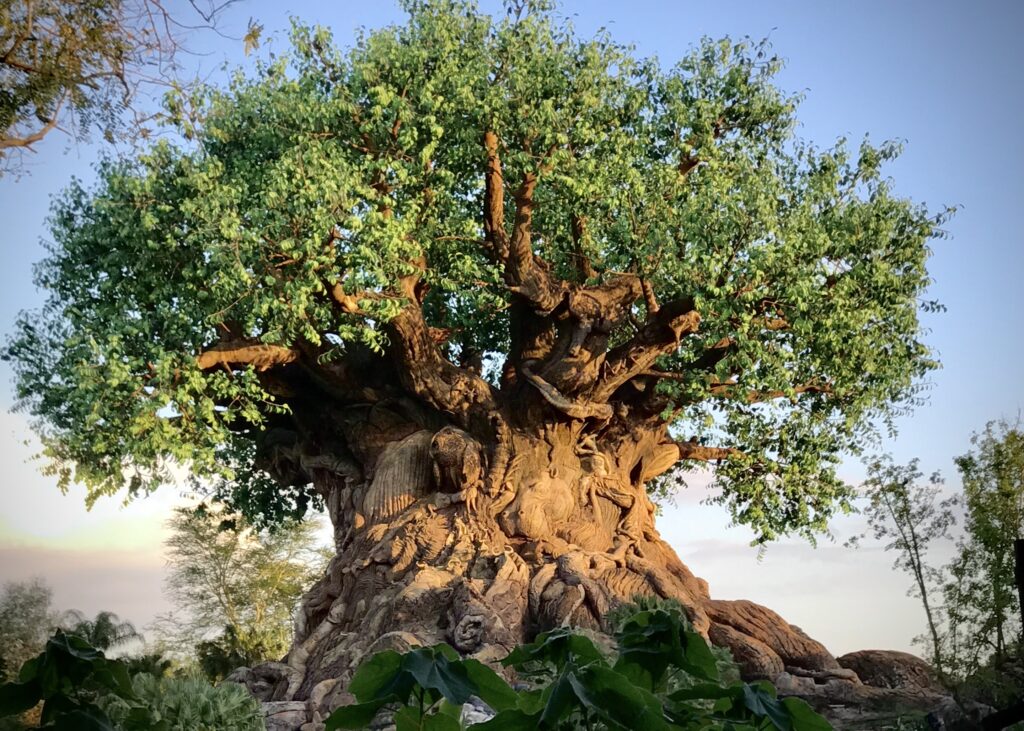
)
(475, 285)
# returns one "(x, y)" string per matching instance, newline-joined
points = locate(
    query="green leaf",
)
(803, 717)
(761, 701)
(432, 669)
(381, 676)
(357, 715)
(609, 693)
(556, 647)
(490, 687)
(511, 720)
(16, 698)
(87, 718)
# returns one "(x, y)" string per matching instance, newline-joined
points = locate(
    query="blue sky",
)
(942, 76)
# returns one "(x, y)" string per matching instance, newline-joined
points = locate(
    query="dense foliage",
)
(985, 626)
(81, 689)
(307, 192)
(26, 621)
(660, 676)
(975, 634)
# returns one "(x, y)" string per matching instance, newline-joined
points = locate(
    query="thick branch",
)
(260, 356)
(695, 451)
(431, 377)
(659, 336)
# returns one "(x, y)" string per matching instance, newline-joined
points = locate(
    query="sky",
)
(942, 76)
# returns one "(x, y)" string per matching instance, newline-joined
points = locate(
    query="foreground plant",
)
(663, 676)
(80, 689)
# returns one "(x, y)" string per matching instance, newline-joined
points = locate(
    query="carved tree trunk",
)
(442, 537)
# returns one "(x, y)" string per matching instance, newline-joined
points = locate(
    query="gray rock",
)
(285, 715)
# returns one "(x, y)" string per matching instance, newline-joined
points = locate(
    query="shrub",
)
(662, 676)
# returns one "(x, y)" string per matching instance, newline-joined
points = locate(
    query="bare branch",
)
(260, 356)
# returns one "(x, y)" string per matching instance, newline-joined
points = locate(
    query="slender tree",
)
(473, 284)
(909, 516)
(236, 590)
(982, 592)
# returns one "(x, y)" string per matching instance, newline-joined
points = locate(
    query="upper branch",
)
(525, 274)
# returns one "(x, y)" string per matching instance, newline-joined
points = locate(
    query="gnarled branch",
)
(659, 336)
(574, 409)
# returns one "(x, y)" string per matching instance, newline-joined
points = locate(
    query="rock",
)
(891, 669)
(285, 715)
(476, 711)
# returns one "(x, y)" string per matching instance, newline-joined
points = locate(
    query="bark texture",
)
(441, 537)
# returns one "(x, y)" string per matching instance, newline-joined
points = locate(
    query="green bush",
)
(192, 704)
(74, 687)
(661, 676)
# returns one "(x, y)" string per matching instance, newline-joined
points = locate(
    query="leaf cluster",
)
(661, 676)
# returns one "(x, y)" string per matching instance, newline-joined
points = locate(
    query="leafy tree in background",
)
(78, 65)
(473, 285)
(909, 516)
(27, 619)
(236, 589)
(981, 596)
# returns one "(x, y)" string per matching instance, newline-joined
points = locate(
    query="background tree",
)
(104, 632)
(237, 590)
(984, 613)
(457, 284)
(909, 516)
(78, 65)
(27, 619)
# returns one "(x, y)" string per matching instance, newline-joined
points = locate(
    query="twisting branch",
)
(574, 409)
(525, 274)
(659, 336)
(426, 373)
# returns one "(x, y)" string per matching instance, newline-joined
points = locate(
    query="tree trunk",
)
(441, 538)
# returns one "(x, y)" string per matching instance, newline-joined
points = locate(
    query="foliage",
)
(26, 621)
(82, 690)
(236, 588)
(192, 704)
(981, 597)
(105, 632)
(69, 677)
(77, 65)
(910, 517)
(663, 676)
(305, 194)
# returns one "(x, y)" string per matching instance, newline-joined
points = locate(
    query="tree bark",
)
(444, 536)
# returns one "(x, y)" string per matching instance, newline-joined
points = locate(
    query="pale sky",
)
(943, 76)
